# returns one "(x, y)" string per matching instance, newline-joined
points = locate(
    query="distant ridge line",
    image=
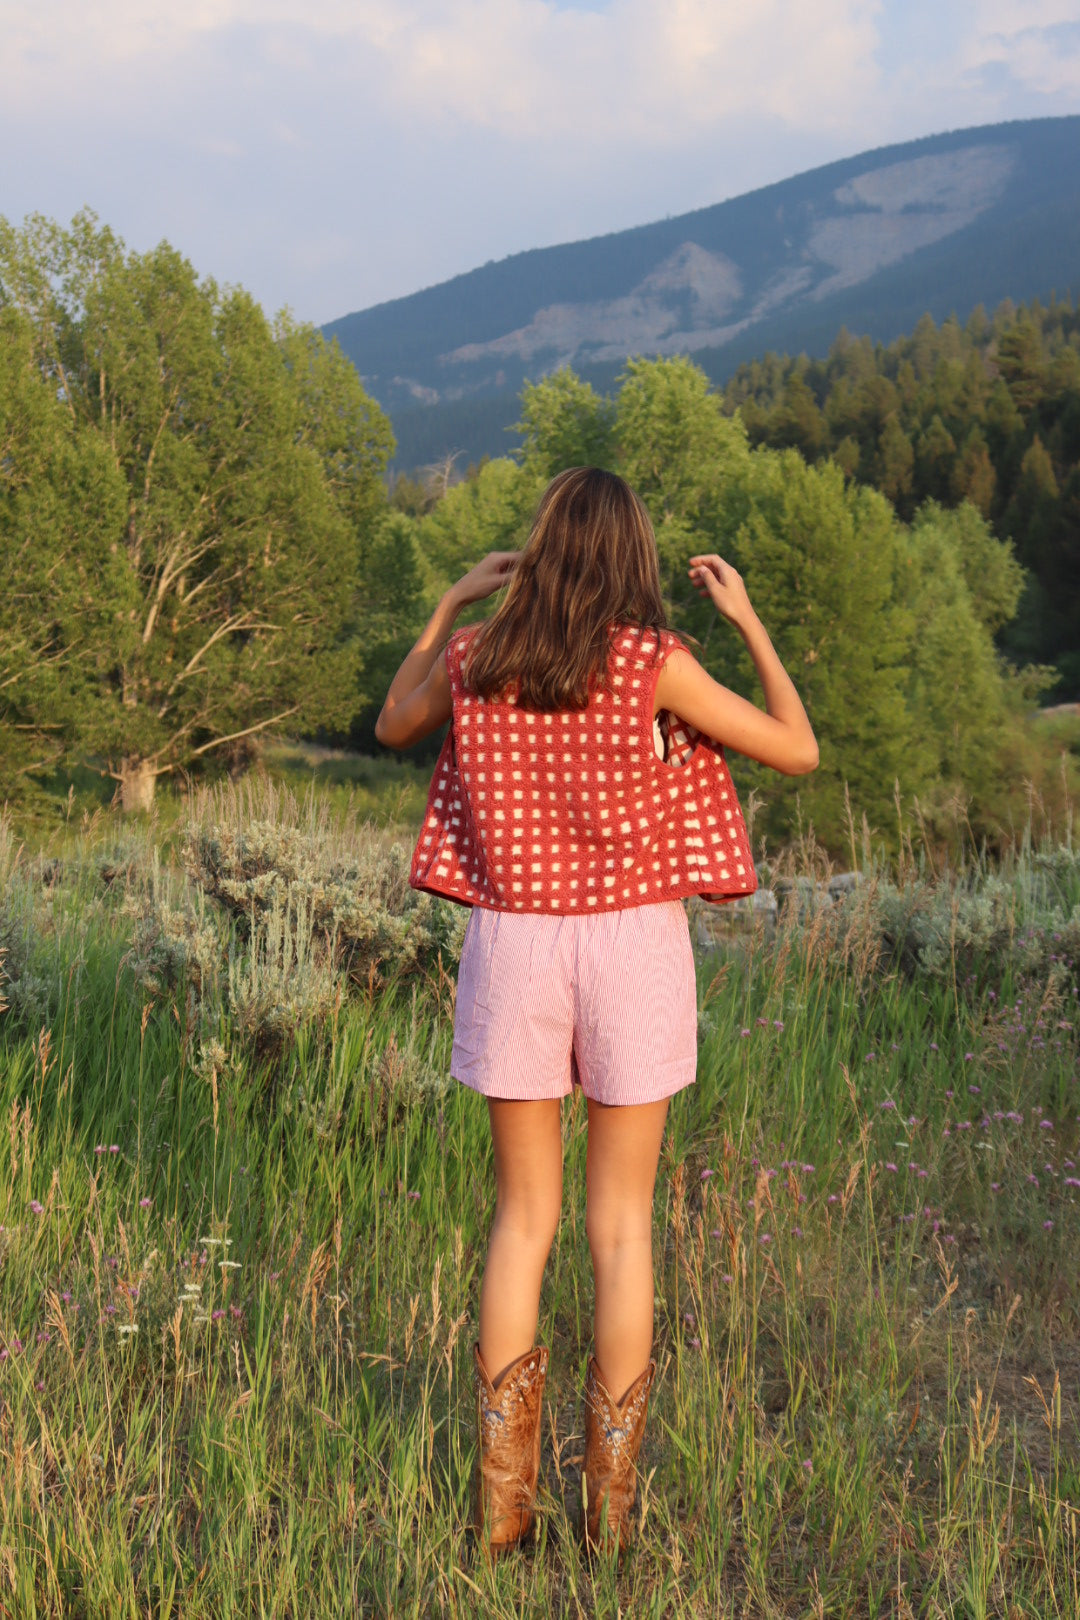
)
(934, 225)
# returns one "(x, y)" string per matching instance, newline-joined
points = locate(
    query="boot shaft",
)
(613, 1436)
(508, 1448)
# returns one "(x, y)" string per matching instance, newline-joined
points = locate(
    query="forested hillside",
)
(988, 412)
(872, 243)
(201, 548)
(888, 627)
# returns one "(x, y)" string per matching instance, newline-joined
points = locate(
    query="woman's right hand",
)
(490, 575)
(717, 579)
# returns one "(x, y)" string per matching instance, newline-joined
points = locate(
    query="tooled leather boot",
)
(508, 1449)
(613, 1436)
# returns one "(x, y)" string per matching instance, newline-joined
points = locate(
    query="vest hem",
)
(681, 892)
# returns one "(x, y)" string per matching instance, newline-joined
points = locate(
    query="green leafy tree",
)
(564, 423)
(489, 512)
(966, 703)
(61, 504)
(821, 560)
(688, 461)
(248, 458)
(1032, 514)
(936, 450)
(991, 411)
(344, 427)
(992, 576)
(397, 604)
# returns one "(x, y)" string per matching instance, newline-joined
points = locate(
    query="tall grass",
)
(237, 1294)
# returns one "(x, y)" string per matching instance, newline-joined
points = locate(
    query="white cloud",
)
(329, 153)
(1037, 43)
(526, 69)
(639, 71)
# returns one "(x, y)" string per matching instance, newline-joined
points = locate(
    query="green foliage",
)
(306, 908)
(822, 559)
(234, 472)
(689, 464)
(489, 512)
(564, 423)
(1020, 915)
(886, 629)
(392, 607)
(988, 414)
(251, 1322)
(62, 502)
(993, 577)
(197, 496)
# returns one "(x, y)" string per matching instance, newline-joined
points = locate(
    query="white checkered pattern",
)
(573, 812)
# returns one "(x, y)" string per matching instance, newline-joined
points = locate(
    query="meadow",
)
(245, 1213)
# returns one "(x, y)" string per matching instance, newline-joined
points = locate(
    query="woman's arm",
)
(419, 700)
(783, 737)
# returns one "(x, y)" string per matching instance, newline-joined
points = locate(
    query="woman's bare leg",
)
(527, 1139)
(620, 1168)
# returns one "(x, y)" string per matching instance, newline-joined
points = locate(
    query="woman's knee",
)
(611, 1225)
(532, 1221)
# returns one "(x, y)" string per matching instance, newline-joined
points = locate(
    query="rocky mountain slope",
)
(872, 243)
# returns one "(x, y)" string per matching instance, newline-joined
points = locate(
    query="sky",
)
(330, 154)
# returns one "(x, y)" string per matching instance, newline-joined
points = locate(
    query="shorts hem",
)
(502, 1094)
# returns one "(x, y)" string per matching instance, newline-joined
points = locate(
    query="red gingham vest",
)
(574, 811)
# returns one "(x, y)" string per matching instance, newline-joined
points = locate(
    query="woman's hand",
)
(489, 575)
(717, 579)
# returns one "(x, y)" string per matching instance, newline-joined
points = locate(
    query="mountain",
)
(872, 242)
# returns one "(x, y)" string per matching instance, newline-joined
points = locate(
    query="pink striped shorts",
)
(606, 1000)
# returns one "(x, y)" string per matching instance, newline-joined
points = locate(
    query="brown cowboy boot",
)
(612, 1441)
(508, 1449)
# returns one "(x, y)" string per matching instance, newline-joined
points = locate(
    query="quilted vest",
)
(574, 811)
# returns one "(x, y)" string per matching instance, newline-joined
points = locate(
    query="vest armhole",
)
(463, 638)
(651, 672)
(687, 740)
(453, 650)
(648, 669)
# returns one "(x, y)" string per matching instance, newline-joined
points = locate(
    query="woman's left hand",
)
(489, 575)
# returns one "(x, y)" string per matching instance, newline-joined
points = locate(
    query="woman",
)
(579, 797)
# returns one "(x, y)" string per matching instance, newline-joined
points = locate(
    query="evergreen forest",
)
(987, 413)
(203, 548)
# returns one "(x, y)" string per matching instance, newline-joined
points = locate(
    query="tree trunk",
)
(137, 780)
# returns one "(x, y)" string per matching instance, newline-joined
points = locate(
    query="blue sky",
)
(329, 154)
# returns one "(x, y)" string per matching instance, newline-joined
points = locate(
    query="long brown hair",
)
(590, 561)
